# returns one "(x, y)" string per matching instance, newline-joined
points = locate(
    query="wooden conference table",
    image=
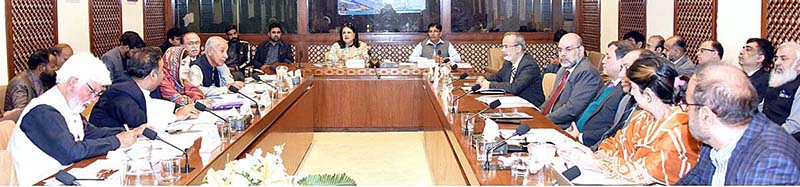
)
(338, 99)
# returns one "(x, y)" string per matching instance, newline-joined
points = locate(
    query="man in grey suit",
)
(577, 83)
(676, 52)
(116, 59)
(520, 74)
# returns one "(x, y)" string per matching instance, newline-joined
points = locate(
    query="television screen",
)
(372, 7)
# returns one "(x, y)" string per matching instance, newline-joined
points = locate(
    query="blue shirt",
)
(272, 53)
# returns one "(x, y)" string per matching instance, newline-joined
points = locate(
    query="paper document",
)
(507, 101)
(464, 65)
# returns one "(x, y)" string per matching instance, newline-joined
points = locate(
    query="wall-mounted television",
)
(373, 7)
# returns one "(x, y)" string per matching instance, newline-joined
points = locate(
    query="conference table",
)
(371, 100)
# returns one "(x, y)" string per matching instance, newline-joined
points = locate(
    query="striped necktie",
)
(513, 74)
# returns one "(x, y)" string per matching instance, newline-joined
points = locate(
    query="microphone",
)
(522, 129)
(152, 135)
(493, 105)
(66, 178)
(472, 90)
(454, 66)
(463, 75)
(236, 90)
(202, 107)
(258, 78)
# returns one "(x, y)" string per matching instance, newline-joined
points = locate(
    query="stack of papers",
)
(507, 101)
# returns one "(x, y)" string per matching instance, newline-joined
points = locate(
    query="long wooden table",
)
(361, 101)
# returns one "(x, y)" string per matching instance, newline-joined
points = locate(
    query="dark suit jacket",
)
(760, 80)
(685, 66)
(582, 87)
(602, 118)
(284, 53)
(764, 155)
(122, 103)
(527, 82)
(116, 65)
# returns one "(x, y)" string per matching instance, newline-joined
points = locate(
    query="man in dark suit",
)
(577, 83)
(273, 50)
(742, 146)
(117, 58)
(126, 102)
(520, 74)
(599, 115)
(756, 60)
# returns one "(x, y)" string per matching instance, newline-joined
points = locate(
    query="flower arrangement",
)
(255, 170)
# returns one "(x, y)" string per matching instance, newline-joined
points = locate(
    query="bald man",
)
(209, 71)
(710, 52)
(676, 52)
(577, 83)
(742, 147)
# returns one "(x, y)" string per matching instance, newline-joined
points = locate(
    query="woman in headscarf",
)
(175, 87)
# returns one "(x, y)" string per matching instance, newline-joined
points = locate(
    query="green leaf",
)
(339, 179)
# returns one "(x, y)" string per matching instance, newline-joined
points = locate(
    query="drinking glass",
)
(519, 167)
(171, 169)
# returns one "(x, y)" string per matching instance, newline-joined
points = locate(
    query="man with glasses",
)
(710, 52)
(128, 102)
(52, 134)
(191, 42)
(273, 50)
(434, 47)
(742, 147)
(676, 52)
(520, 74)
(756, 60)
(781, 104)
(577, 83)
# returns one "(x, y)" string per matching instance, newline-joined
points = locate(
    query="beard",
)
(778, 79)
(48, 80)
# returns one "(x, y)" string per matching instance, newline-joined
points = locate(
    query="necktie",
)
(215, 76)
(549, 106)
(513, 74)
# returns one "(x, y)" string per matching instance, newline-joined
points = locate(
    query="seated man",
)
(209, 72)
(577, 83)
(676, 52)
(434, 47)
(636, 37)
(126, 102)
(117, 59)
(520, 74)
(273, 50)
(62, 52)
(710, 52)
(173, 38)
(29, 84)
(598, 117)
(53, 135)
(781, 103)
(655, 44)
(238, 53)
(756, 60)
(742, 147)
(191, 42)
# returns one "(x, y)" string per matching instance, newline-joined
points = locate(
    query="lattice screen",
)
(632, 16)
(32, 28)
(154, 23)
(106, 20)
(695, 20)
(590, 24)
(782, 21)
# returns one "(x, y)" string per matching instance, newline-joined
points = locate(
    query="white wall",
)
(609, 23)
(3, 47)
(73, 24)
(660, 17)
(133, 16)
(736, 22)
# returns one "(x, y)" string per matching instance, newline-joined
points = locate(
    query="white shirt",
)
(720, 160)
(196, 78)
(417, 53)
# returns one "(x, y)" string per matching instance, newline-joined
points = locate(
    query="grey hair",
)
(794, 46)
(518, 39)
(732, 98)
(214, 42)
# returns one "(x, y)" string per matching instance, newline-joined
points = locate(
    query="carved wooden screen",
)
(105, 25)
(695, 20)
(32, 26)
(590, 24)
(632, 16)
(154, 22)
(780, 21)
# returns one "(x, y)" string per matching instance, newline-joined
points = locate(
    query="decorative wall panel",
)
(154, 23)
(632, 16)
(590, 24)
(32, 26)
(695, 20)
(780, 21)
(105, 25)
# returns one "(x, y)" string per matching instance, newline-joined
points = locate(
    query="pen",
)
(126, 127)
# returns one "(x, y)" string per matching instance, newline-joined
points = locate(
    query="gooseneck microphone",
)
(66, 178)
(152, 135)
(472, 90)
(494, 104)
(463, 76)
(258, 78)
(202, 107)
(521, 130)
(236, 90)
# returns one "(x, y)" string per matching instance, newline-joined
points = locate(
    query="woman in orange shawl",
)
(173, 87)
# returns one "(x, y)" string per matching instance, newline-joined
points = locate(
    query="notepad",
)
(507, 101)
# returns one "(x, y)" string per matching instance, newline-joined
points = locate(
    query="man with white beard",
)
(780, 103)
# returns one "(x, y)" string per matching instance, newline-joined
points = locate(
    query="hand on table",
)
(187, 112)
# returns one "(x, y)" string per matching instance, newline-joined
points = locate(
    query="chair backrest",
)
(6, 128)
(3, 89)
(595, 58)
(495, 60)
(8, 176)
(547, 84)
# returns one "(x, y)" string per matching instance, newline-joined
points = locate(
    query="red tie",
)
(549, 106)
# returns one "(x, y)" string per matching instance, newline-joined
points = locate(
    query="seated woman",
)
(174, 86)
(348, 47)
(656, 146)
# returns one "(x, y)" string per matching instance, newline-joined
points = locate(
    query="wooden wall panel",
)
(632, 16)
(780, 20)
(589, 21)
(30, 25)
(696, 21)
(155, 26)
(105, 22)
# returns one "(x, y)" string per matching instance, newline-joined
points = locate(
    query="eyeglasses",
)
(94, 92)
(568, 49)
(504, 46)
(706, 49)
(685, 105)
